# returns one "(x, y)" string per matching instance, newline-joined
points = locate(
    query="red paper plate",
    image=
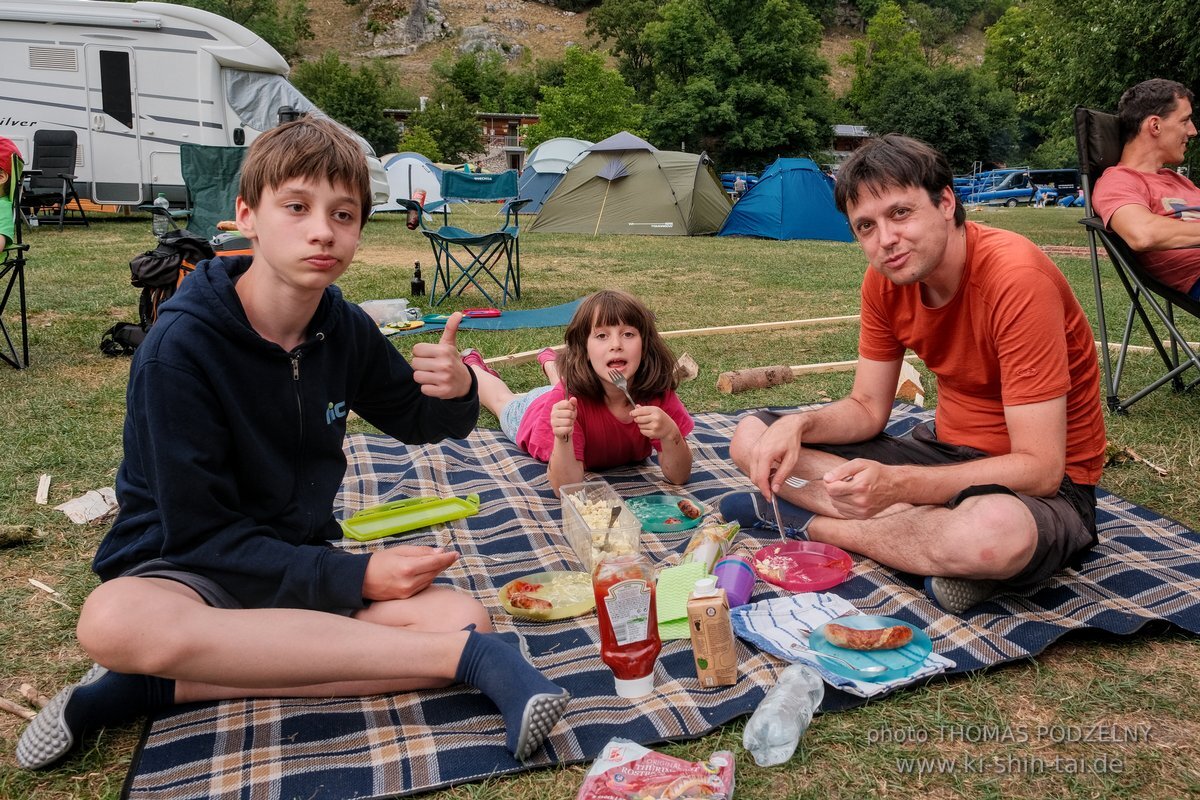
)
(803, 566)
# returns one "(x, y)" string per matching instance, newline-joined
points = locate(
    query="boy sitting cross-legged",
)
(219, 579)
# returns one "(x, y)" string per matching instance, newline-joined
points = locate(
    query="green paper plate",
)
(656, 512)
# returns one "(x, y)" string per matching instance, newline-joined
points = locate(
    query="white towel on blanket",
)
(781, 626)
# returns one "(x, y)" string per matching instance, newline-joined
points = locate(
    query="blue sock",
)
(114, 699)
(528, 701)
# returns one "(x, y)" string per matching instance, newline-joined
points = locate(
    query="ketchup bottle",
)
(629, 643)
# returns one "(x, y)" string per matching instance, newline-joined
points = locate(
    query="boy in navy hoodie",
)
(219, 579)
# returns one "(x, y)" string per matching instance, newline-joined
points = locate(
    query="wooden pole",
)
(1141, 348)
(763, 377)
(514, 359)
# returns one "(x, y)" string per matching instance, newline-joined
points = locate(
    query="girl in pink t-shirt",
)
(582, 420)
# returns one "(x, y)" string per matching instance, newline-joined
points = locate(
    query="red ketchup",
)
(629, 643)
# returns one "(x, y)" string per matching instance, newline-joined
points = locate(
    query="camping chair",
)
(463, 258)
(12, 275)
(211, 174)
(1098, 139)
(51, 179)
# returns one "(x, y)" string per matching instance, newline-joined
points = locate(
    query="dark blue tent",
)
(793, 199)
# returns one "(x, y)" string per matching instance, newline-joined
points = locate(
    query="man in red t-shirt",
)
(999, 494)
(1155, 209)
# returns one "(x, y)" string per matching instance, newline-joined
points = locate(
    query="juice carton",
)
(712, 635)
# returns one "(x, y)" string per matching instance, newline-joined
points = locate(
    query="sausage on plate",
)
(871, 639)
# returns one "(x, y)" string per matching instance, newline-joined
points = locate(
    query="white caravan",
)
(136, 80)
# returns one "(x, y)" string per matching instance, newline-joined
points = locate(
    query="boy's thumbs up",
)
(438, 368)
(450, 332)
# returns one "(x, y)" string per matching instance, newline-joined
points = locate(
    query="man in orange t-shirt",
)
(999, 493)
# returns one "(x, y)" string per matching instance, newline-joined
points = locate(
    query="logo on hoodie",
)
(335, 411)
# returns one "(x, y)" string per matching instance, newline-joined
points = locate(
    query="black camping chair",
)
(463, 258)
(12, 276)
(50, 179)
(1098, 139)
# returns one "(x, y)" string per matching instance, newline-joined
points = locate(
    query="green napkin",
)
(675, 585)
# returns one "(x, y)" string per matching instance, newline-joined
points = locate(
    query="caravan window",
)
(256, 97)
(116, 90)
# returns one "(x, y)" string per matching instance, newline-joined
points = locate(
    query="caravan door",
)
(113, 135)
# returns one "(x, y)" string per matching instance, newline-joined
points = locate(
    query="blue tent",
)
(793, 199)
(537, 186)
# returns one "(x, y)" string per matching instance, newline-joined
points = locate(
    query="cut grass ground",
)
(63, 416)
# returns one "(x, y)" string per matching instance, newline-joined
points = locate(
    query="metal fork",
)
(619, 381)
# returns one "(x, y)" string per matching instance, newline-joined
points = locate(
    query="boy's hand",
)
(438, 368)
(562, 419)
(400, 572)
(653, 422)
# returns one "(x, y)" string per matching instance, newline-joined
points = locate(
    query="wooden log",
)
(20, 711)
(513, 359)
(34, 696)
(1142, 348)
(753, 378)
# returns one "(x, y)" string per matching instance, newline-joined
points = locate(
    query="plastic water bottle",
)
(775, 728)
(160, 224)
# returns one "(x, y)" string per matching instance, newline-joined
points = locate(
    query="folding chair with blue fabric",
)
(463, 258)
(12, 258)
(1098, 139)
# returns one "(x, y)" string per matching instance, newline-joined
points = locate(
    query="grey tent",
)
(625, 185)
(546, 165)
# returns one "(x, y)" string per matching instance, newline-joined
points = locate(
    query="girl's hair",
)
(656, 373)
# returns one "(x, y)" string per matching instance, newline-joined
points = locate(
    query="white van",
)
(135, 80)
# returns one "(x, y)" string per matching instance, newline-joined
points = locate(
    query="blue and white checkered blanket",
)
(1145, 568)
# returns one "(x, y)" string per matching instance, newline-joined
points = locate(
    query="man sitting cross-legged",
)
(1000, 493)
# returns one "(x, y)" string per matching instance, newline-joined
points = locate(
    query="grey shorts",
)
(512, 414)
(211, 592)
(1066, 522)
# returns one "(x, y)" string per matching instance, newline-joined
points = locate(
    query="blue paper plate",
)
(654, 511)
(900, 663)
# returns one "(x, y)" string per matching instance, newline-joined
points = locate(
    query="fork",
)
(619, 381)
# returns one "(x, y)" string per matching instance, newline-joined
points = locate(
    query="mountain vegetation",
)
(744, 80)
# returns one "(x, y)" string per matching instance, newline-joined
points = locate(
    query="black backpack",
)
(159, 272)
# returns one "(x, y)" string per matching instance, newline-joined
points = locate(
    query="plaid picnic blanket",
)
(1145, 568)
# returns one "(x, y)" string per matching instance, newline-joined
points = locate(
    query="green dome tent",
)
(625, 185)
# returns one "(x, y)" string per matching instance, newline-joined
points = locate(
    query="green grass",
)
(63, 415)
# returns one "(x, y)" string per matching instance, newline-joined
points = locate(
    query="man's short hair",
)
(894, 161)
(310, 148)
(1156, 97)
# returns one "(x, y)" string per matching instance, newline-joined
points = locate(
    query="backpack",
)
(159, 272)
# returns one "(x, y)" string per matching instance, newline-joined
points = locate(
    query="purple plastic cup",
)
(736, 577)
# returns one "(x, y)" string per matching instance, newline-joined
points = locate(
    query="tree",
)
(1087, 52)
(742, 81)
(283, 24)
(959, 111)
(890, 44)
(593, 103)
(450, 120)
(352, 97)
(418, 140)
(622, 22)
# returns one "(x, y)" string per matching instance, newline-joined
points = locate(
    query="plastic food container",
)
(586, 509)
